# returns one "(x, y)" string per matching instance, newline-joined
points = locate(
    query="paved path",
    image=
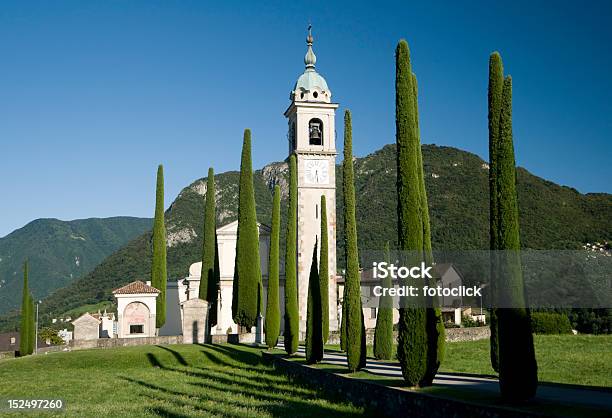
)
(549, 393)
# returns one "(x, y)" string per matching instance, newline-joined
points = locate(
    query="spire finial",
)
(310, 59)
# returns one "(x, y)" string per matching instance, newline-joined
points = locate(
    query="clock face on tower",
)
(316, 171)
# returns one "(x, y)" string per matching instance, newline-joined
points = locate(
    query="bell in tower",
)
(315, 130)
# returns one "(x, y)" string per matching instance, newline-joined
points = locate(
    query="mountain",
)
(552, 216)
(59, 252)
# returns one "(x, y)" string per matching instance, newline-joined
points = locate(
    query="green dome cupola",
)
(310, 86)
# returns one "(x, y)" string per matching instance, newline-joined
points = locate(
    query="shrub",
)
(550, 323)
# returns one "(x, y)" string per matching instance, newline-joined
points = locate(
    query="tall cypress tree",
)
(383, 334)
(496, 83)
(355, 347)
(217, 284)
(436, 334)
(324, 269)
(518, 371)
(159, 274)
(247, 273)
(412, 348)
(208, 290)
(208, 277)
(314, 315)
(292, 324)
(26, 314)
(272, 320)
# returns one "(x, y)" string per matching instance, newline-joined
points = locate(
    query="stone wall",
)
(124, 342)
(386, 401)
(7, 354)
(467, 334)
(452, 335)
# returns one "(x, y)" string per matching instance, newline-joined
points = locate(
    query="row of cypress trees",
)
(512, 349)
(27, 329)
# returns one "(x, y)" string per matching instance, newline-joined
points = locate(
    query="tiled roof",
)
(135, 287)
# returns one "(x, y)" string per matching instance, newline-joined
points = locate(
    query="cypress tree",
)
(383, 334)
(496, 82)
(436, 334)
(292, 324)
(412, 350)
(314, 315)
(272, 320)
(159, 274)
(355, 332)
(518, 371)
(32, 325)
(247, 273)
(324, 269)
(207, 275)
(208, 279)
(217, 283)
(26, 314)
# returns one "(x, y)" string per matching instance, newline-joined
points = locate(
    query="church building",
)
(312, 138)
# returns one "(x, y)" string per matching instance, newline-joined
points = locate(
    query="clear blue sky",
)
(94, 94)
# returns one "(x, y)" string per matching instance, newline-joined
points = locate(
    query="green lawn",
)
(177, 381)
(570, 359)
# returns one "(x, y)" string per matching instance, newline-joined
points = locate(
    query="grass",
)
(568, 359)
(176, 381)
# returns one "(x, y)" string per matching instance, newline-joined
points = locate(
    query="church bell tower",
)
(312, 138)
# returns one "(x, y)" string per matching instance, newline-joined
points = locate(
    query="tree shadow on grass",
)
(236, 354)
(218, 364)
(222, 400)
(219, 386)
(254, 381)
(178, 356)
(164, 412)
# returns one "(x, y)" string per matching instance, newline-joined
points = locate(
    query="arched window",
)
(315, 132)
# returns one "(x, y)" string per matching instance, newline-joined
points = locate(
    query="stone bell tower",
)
(312, 138)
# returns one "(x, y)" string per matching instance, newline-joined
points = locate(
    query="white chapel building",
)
(189, 287)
